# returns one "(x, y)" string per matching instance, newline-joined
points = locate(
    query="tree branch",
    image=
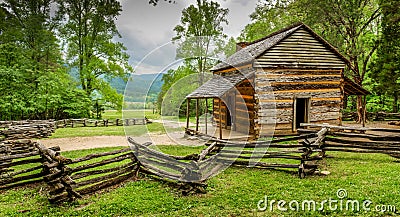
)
(375, 15)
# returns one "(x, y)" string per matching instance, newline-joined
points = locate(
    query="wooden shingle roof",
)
(256, 48)
(351, 88)
(217, 86)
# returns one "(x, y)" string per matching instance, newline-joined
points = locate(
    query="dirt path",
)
(79, 143)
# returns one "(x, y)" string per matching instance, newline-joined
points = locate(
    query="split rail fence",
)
(372, 116)
(101, 123)
(25, 162)
(358, 140)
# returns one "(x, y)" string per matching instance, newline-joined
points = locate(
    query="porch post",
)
(206, 114)
(187, 114)
(220, 119)
(364, 114)
(197, 115)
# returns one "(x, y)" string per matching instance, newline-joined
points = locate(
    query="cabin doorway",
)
(229, 108)
(301, 112)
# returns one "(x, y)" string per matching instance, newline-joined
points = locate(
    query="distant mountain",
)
(139, 87)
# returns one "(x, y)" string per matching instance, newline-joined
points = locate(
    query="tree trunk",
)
(395, 100)
(360, 109)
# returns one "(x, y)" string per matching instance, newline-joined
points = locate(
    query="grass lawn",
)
(235, 192)
(136, 130)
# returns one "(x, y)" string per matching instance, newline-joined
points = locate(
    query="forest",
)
(56, 58)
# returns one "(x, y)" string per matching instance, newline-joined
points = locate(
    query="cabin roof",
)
(351, 88)
(256, 48)
(217, 86)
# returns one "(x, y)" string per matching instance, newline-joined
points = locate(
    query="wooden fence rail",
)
(294, 152)
(372, 116)
(101, 123)
(359, 140)
(21, 163)
(70, 179)
(36, 129)
(27, 131)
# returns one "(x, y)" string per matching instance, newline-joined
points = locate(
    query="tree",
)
(352, 26)
(28, 31)
(270, 16)
(176, 84)
(230, 47)
(155, 2)
(33, 82)
(201, 26)
(88, 30)
(386, 70)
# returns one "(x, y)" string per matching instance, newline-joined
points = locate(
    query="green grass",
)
(136, 130)
(235, 192)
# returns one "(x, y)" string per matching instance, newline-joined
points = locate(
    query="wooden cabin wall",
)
(277, 88)
(298, 66)
(243, 105)
(244, 111)
(216, 113)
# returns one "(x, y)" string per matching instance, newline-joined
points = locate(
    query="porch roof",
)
(217, 86)
(351, 88)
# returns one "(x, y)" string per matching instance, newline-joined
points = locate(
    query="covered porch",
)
(232, 111)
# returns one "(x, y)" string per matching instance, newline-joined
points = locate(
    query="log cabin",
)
(271, 85)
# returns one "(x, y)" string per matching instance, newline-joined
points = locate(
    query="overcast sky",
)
(144, 28)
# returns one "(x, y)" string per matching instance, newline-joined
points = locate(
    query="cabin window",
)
(301, 112)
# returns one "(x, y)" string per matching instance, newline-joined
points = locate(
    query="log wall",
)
(244, 108)
(277, 89)
(299, 66)
(241, 100)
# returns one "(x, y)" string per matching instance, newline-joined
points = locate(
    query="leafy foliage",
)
(177, 84)
(33, 82)
(386, 70)
(200, 33)
(88, 31)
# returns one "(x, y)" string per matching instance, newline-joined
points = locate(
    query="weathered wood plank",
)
(290, 96)
(101, 171)
(296, 64)
(97, 155)
(128, 169)
(105, 184)
(263, 90)
(103, 162)
(295, 71)
(261, 80)
(298, 74)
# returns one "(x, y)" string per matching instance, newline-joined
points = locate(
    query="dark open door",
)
(230, 110)
(301, 112)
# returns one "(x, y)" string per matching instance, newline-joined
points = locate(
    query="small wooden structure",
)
(271, 85)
